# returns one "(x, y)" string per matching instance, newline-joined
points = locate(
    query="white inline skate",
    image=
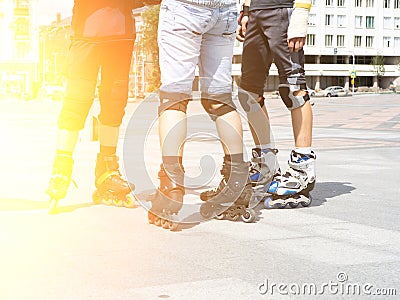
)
(293, 187)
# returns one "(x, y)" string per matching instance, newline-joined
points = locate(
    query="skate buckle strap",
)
(257, 152)
(296, 174)
(110, 158)
(63, 177)
(106, 175)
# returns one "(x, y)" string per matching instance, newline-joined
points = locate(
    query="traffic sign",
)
(353, 74)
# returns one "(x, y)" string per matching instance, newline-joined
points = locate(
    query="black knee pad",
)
(250, 101)
(224, 101)
(76, 105)
(291, 101)
(173, 101)
(113, 101)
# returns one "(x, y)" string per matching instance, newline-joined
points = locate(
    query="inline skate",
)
(294, 186)
(230, 200)
(112, 189)
(168, 199)
(60, 180)
(264, 166)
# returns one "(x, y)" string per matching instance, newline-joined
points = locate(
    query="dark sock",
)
(107, 150)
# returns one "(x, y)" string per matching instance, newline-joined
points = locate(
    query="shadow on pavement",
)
(22, 205)
(70, 208)
(189, 215)
(329, 190)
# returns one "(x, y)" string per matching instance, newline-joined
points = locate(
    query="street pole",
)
(353, 72)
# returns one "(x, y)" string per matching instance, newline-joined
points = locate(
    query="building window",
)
(357, 41)
(328, 20)
(357, 3)
(21, 50)
(387, 22)
(310, 39)
(358, 20)
(386, 3)
(386, 42)
(340, 40)
(341, 20)
(369, 41)
(370, 22)
(396, 23)
(396, 43)
(341, 3)
(311, 20)
(370, 3)
(328, 40)
(329, 2)
(396, 3)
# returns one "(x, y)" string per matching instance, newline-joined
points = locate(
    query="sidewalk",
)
(98, 252)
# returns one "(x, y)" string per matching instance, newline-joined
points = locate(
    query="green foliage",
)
(149, 43)
(378, 62)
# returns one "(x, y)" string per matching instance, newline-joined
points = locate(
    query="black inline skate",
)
(168, 199)
(230, 200)
(60, 180)
(294, 186)
(112, 189)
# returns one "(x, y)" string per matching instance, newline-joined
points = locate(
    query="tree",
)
(149, 43)
(378, 62)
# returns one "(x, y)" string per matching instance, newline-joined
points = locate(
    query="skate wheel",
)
(157, 221)
(53, 206)
(129, 201)
(96, 197)
(173, 226)
(248, 216)
(281, 205)
(107, 201)
(233, 217)
(165, 223)
(267, 202)
(293, 204)
(118, 202)
(220, 216)
(308, 202)
(170, 222)
(150, 217)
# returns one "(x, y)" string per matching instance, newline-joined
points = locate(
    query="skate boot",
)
(264, 166)
(230, 200)
(168, 199)
(294, 186)
(60, 180)
(112, 189)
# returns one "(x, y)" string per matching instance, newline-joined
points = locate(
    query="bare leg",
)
(302, 120)
(172, 132)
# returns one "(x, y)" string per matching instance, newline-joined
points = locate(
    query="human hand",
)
(241, 29)
(296, 44)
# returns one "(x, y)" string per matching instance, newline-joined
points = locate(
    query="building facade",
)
(344, 38)
(19, 51)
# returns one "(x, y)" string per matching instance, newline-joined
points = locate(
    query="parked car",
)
(335, 91)
(311, 92)
(51, 92)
